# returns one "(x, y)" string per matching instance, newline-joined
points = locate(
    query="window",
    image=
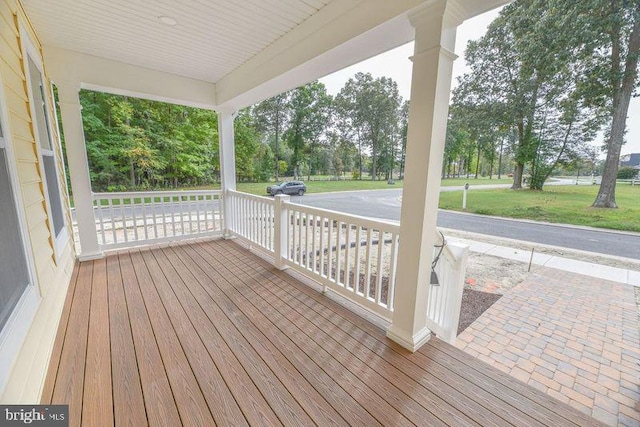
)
(46, 150)
(14, 272)
(19, 297)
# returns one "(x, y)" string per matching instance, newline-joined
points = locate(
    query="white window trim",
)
(31, 52)
(15, 330)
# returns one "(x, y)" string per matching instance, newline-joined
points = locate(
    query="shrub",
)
(627, 172)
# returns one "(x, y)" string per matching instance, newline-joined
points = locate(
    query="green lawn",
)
(260, 188)
(366, 184)
(449, 182)
(559, 204)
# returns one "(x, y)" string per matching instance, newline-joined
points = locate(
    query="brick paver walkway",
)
(574, 337)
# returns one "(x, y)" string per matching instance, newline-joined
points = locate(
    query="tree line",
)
(545, 80)
(139, 144)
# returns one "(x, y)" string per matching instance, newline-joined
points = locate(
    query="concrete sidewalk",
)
(620, 275)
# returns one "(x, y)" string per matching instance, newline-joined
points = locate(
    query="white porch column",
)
(227, 160)
(433, 58)
(71, 115)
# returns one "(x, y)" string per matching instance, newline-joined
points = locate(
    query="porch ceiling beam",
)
(105, 75)
(341, 34)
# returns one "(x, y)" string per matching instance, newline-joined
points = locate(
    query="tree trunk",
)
(517, 176)
(477, 162)
(500, 158)
(606, 197)
(132, 174)
(277, 171)
(360, 159)
(374, 171)
(519, 171)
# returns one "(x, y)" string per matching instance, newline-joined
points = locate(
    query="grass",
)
(449, 182)
(260, 188)
(569, 204)
(366, 184)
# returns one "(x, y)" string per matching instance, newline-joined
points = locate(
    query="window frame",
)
(17, 326)
(31, 52)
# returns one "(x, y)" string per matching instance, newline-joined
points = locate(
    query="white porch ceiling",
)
(222, 54)
(211, 38)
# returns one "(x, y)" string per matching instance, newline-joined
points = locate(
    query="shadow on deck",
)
(207, 333)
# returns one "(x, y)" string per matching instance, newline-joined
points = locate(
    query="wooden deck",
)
(209, 334)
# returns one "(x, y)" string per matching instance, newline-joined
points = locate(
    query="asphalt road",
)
(385, 204)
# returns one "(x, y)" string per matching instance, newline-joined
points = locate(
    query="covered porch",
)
(208, 333)
(204, 333)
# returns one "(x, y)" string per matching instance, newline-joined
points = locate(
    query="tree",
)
(272, 117)
(310, 108)
(133, 143)
(526, 74)
(247, 145)
(612, 34)
(404, 126)
(369, 109)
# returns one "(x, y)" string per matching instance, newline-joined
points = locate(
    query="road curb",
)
(553, 224)
(479, 237)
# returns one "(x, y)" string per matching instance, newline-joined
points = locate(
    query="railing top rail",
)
(388, 226)
(137, 194)
(251, 196)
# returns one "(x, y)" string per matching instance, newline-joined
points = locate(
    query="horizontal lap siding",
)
(27, 375)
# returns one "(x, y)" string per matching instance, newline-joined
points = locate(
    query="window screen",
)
(42, 120)
(54, 193)
(14, 276)
(45, 141)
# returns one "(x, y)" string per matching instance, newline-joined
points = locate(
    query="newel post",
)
(280, 219)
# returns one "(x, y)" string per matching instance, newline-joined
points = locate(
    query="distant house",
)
(632, 160)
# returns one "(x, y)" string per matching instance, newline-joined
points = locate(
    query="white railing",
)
(351, 255)
(445, 297)
(135, 218)
(252, 218)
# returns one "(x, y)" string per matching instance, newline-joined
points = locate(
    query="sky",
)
(396, 64)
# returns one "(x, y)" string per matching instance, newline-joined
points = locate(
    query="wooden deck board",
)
(188, 397)
(435, 378)
(128, 400)
(343, 403)
(312, 403)
(347, 378)
(69, 386)
(316, 342)
(56, 353)
(220, 401)
(97, 402)
(214, 336)
(209, 334)
(435, 390)
(158, 396)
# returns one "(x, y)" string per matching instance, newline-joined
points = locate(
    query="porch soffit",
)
(236, 53)
(211, 38)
